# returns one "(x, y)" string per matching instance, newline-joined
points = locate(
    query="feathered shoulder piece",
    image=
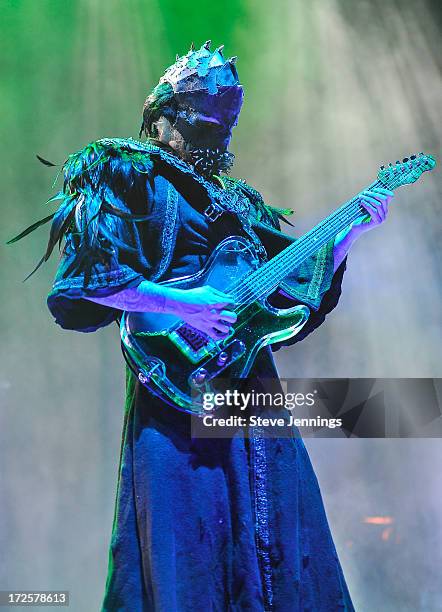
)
(264, 212)
(94, 179)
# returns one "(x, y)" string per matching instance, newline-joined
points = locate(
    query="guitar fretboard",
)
(265, 280)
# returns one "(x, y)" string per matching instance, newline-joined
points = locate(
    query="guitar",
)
(179, 364)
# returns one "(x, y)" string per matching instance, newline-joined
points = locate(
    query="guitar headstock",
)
(407, 171)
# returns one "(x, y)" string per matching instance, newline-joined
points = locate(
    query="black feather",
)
(35, 269)
(113, 210)
(44, 161)
(62, 220)
(30, 229)
(286, 220)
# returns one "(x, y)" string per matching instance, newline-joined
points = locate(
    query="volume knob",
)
(200, 376)
(222, 358)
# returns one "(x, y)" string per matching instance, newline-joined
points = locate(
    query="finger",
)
(216, 334)
(213, 333)
(228, 315)
(222, 327)
(384, 206)
(382, 195)
(373, 197)
(369, 205)
(379, 206)
(372, 210)
(215, 314)
(209, 330)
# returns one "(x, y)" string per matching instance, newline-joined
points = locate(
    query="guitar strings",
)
(341, 217)
(330, 226)
(325, 231)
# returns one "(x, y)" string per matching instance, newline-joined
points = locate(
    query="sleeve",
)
(106, 203)
(329, 299)
(309, 283)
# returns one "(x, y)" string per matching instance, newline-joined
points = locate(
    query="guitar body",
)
(179, 363)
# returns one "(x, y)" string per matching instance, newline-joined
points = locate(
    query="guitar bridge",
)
(195, 339)
(192, 342)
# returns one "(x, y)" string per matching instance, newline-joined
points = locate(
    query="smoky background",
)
(333, 89)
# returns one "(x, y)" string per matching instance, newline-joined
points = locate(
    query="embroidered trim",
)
(259, 466)
(101, 279)
(168, 231)
(318, 273)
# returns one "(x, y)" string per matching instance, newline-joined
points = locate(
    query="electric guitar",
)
(180, 364)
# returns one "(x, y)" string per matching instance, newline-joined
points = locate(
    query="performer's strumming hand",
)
(205, 308)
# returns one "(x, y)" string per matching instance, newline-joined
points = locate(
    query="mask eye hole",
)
(204, 124)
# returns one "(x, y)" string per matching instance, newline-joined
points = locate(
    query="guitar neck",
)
(263, 281)
(266, 279)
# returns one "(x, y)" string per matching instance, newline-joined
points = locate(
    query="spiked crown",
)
(202, 69)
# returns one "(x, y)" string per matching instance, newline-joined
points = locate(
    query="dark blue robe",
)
(224, 525)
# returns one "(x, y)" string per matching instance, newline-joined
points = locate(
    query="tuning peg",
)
(413, 157)
(404, 161)
(232, 60)
(382, 167)
(207, 45)
(397, 161)
(219, 49)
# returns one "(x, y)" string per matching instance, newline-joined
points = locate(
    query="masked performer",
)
(200, 524)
